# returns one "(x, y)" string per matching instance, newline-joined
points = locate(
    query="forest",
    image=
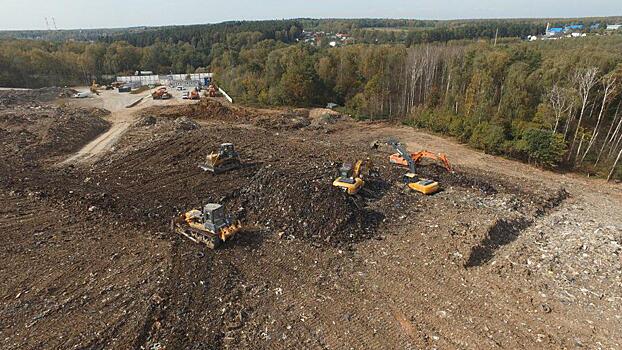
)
(551, 103)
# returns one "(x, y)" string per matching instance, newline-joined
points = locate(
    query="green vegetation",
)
(551, 103)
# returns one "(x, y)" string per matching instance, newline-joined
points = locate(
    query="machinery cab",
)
(424, 186)
(345, 173)
(227, 151)
(214, 217)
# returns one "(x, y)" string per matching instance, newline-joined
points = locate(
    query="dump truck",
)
(225, 159)
(209, 226)
(194, 95)
(161, 94)
(212, 91)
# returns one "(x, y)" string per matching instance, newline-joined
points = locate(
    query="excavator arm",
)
(441, 157)
(356, 171)
(404, 154)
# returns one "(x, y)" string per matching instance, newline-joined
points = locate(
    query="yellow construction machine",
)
(94, 87)
(209, 226)
(425, 186)
(350, 178)
(225, 159)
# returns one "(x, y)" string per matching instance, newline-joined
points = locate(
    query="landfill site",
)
(130, 222)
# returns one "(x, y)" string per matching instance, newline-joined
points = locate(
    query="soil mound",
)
(185, 124)
(283, 122)
(21, 97)
(35, 133)
(305, 205)
(206, 109)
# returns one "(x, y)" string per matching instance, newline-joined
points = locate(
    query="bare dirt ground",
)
(122, 114)
(506, 256)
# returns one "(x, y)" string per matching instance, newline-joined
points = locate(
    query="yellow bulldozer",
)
(209, 226)
(225, 159)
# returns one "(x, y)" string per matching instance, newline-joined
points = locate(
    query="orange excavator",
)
(418, 156)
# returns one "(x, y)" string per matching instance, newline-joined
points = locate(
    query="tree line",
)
(552, 103)
(556, 104)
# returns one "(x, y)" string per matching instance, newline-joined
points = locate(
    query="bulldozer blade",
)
(230, 231)
(220, 169)
(206, 167)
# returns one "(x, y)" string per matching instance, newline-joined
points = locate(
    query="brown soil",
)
(506, 256)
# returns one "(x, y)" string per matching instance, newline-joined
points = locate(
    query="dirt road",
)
(121, 117)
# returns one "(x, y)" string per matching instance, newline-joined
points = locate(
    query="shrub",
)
(490, 138)
(541, 146)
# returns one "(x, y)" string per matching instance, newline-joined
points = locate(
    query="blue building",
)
(573, 27)
(554, 31)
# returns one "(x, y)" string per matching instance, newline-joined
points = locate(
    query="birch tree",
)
(608, 83)
(585, 81)
(613, 168)
(560, 102)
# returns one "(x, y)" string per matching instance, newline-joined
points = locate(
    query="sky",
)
(76, 14)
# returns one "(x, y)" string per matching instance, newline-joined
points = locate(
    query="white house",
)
(614, 26)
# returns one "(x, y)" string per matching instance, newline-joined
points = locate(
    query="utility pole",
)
(54, 21)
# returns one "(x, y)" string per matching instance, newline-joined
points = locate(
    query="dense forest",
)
(553, 103)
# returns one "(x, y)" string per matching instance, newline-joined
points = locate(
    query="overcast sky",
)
(72, 14)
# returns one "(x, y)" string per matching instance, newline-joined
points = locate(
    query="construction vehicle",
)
(350, 178)
(425, 186)
(225, 159)
(194, 95)
(161, 94)
(210, 226)
(94, 87)
(418, 156)
(212, 91)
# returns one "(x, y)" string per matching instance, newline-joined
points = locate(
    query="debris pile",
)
(305, 205)
(27, 97)
(145, 121)
(37, 132)
(185, 124)
(205, 109)
(281, 122)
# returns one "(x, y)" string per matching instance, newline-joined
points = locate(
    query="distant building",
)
(143, 72)
(614, 26)
(188, 80)
(573, 28)
(595, 26)
(554, 31)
